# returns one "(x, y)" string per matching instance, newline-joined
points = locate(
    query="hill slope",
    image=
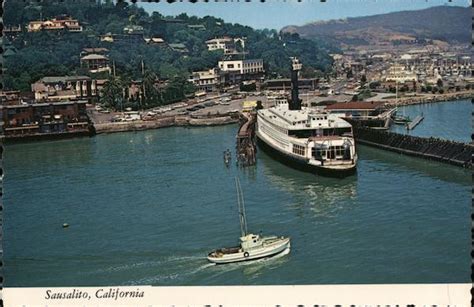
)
(445, 23)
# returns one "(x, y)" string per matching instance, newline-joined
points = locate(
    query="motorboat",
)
(252, 246)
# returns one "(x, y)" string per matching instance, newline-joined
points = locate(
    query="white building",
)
(398, 73)
(224, 43)
(242, 66)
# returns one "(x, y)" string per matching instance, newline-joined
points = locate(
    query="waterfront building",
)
(357, 109)
(54, 88)
(285, 84)
(44, 118)
(235, 71)
(206, 80)
(371, 114)
(63, 22)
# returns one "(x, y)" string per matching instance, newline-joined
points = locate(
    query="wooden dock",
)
(415, 122)
(246, 143)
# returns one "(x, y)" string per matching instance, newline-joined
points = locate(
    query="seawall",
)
(451, 152)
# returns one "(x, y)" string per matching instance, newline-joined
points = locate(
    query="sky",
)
(275, 14)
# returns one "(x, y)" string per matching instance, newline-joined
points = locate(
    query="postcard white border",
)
(309, 295)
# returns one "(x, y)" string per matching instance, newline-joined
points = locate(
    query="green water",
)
(146, 208)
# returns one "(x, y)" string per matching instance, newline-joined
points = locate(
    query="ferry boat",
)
(251, 246)
(309, 139)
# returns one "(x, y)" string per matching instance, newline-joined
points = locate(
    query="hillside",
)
(57, 53)
(443, 23)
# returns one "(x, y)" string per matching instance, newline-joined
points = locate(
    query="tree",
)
(112, 93)
(363, 79)
(150, 95)
(439, 83)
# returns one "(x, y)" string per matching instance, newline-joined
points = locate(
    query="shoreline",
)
(212, 120)
(171, 121)
(424, 99)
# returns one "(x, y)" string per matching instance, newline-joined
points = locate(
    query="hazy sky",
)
(275, 14)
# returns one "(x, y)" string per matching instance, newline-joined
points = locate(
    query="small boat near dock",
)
(251, 246)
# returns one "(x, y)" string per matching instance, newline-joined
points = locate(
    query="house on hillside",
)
(62, 22)
(98, 50)
(133, 30)
(179, 47)
(11, 31)
(224, 43)
(197, 27)
(96, 63)
(155, 41)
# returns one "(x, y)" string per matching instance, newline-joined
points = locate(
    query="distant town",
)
(100, 99)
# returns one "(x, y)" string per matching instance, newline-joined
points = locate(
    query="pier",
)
(455, 153)
(246, 143)
(415, 122)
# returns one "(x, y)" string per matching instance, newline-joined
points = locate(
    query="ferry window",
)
(325, 117)
(299, 150)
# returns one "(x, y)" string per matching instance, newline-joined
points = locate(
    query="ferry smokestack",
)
(295, 103)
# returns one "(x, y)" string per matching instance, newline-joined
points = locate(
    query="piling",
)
(246, 142)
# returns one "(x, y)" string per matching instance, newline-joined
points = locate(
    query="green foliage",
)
(47, 53)
(112, 93)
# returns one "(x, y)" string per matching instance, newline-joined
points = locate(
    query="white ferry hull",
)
(254, 254)
(303, 164)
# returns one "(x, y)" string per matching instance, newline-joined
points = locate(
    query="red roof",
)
(355, 105)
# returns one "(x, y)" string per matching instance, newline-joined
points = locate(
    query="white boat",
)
(308, 139)
(251, 246)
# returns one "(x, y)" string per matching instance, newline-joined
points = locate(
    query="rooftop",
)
(298, 119)
(94, 57)
(64, 79)
(355, 105)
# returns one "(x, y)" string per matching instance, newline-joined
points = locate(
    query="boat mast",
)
(241, 205)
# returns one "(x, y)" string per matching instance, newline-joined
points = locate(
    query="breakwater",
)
(422, 99)
(451, 152)
(164, 122)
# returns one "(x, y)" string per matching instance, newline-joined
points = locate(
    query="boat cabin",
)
(250, 241)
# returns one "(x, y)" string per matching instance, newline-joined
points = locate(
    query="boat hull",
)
(302, 164)
(253, 254)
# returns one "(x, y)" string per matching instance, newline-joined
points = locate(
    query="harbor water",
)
(146, 208)
(451, 120)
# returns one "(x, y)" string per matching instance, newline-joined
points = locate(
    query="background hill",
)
(444, 23)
